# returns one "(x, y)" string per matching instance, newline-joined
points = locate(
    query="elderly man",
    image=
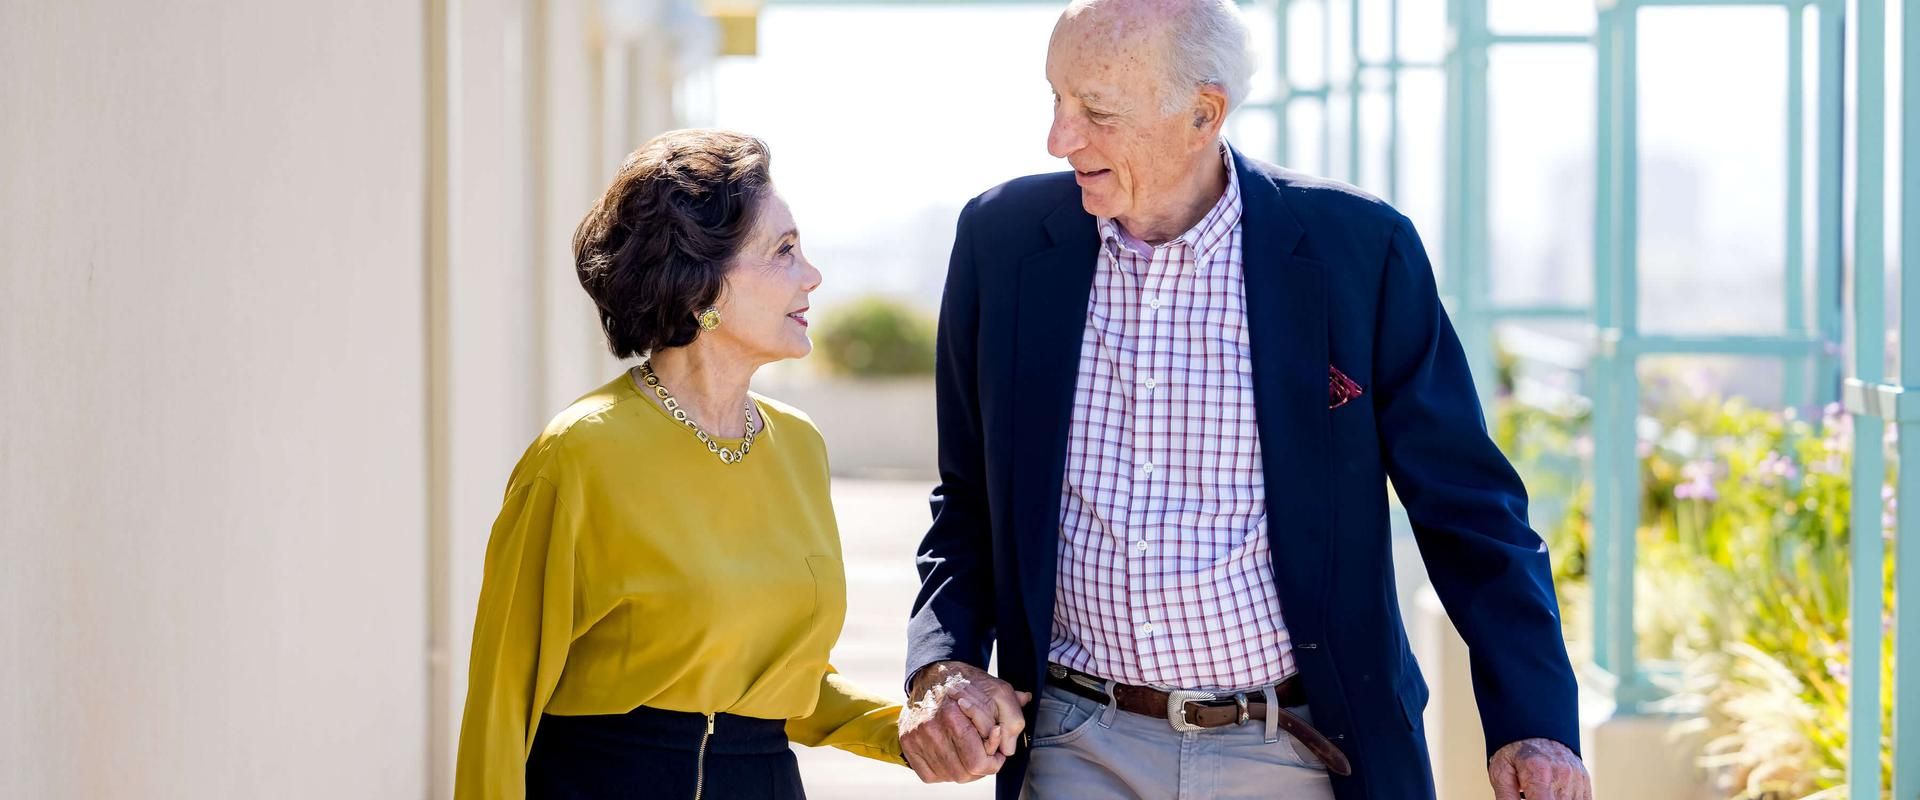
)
(1173, 385)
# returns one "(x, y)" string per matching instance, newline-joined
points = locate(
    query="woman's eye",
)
(785, 249)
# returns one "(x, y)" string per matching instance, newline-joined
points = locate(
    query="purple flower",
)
(1698, 382)
(1776, 465)
(1698, 484)
(1839, 670)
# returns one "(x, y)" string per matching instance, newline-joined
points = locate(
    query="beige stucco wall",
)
(284, 291)
(211, 397)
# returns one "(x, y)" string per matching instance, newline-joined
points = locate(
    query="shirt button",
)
(1147, 629)
(1149, 383)
(1140, 545)
(1153, 303)
(1147, 468)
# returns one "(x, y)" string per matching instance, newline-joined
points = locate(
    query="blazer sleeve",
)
(520, 639)
(1469, 511)
(952, 616)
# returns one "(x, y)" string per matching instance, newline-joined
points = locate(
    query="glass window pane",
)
(1374, 152)
(1671, 387)
(1306, 136)
(1306, 44)
(1422, 157)
(1339, 140)
(1541, 16)
(1541, 173)
(1264, 49)
(1339, 38)
(1376, 18)
(1712, 174)
(1255, 133)
(1423, 31)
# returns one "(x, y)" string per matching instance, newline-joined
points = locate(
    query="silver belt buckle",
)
(1177, 701)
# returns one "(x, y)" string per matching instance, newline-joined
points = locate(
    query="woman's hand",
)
(962, 724)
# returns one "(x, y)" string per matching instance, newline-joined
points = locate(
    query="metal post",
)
(1282, 102)
(1869, 359)
(1393, 101)
(1795, 370)
(1827, 310)
(1600, 576)
(1906, 682)
(1353, 91)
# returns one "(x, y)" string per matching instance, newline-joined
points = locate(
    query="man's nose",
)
(1064, 138)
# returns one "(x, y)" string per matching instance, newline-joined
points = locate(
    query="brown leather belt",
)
(1190, 710)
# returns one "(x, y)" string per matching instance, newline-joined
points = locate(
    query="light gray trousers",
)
(1085, 749)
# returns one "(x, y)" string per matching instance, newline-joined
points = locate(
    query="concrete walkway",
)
(880, 526)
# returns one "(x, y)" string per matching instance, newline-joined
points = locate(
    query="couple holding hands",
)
(1173, 384)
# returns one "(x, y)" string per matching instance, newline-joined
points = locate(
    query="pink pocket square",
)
(1340, 388)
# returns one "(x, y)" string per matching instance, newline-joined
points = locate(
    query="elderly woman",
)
(664, 583)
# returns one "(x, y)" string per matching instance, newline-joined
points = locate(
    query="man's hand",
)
(961, 723)
(1543, 769)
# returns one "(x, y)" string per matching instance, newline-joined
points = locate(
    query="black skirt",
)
(650, 753)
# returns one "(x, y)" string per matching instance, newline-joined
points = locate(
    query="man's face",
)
(1107, 69)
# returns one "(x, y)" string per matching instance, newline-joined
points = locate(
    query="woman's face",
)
(764, 303)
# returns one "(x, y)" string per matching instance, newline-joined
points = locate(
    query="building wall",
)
(211, 400)
(284, 292)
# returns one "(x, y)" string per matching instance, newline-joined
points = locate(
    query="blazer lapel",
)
(1051, 316)
(1287, 332)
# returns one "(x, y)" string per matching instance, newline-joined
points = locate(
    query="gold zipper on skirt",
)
(700, 767)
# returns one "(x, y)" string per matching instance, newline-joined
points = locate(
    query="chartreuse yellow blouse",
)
(630, 567)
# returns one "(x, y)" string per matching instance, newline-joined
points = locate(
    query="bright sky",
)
(885, 120)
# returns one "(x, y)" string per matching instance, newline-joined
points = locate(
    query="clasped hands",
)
(961, 723)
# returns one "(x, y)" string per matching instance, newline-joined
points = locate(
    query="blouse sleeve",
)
(520, 639)
(852, 719)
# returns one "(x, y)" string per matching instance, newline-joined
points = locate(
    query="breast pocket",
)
(829, 593)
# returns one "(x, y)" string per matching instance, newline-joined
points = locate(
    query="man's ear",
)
(1209, 110)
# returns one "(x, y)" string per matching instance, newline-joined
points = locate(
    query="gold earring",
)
(709, 318)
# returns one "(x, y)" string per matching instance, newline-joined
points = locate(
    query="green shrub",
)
(877, 337)
(1742, 582)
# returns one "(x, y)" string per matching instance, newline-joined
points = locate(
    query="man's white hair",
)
(1208, 44)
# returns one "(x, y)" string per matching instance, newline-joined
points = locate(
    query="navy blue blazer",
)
(1333, 277)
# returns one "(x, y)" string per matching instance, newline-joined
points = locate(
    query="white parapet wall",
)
(874, 427)
(1629, 757)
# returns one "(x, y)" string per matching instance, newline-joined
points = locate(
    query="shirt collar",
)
(1209, 234)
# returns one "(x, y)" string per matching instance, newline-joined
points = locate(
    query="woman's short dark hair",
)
(655, 249)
